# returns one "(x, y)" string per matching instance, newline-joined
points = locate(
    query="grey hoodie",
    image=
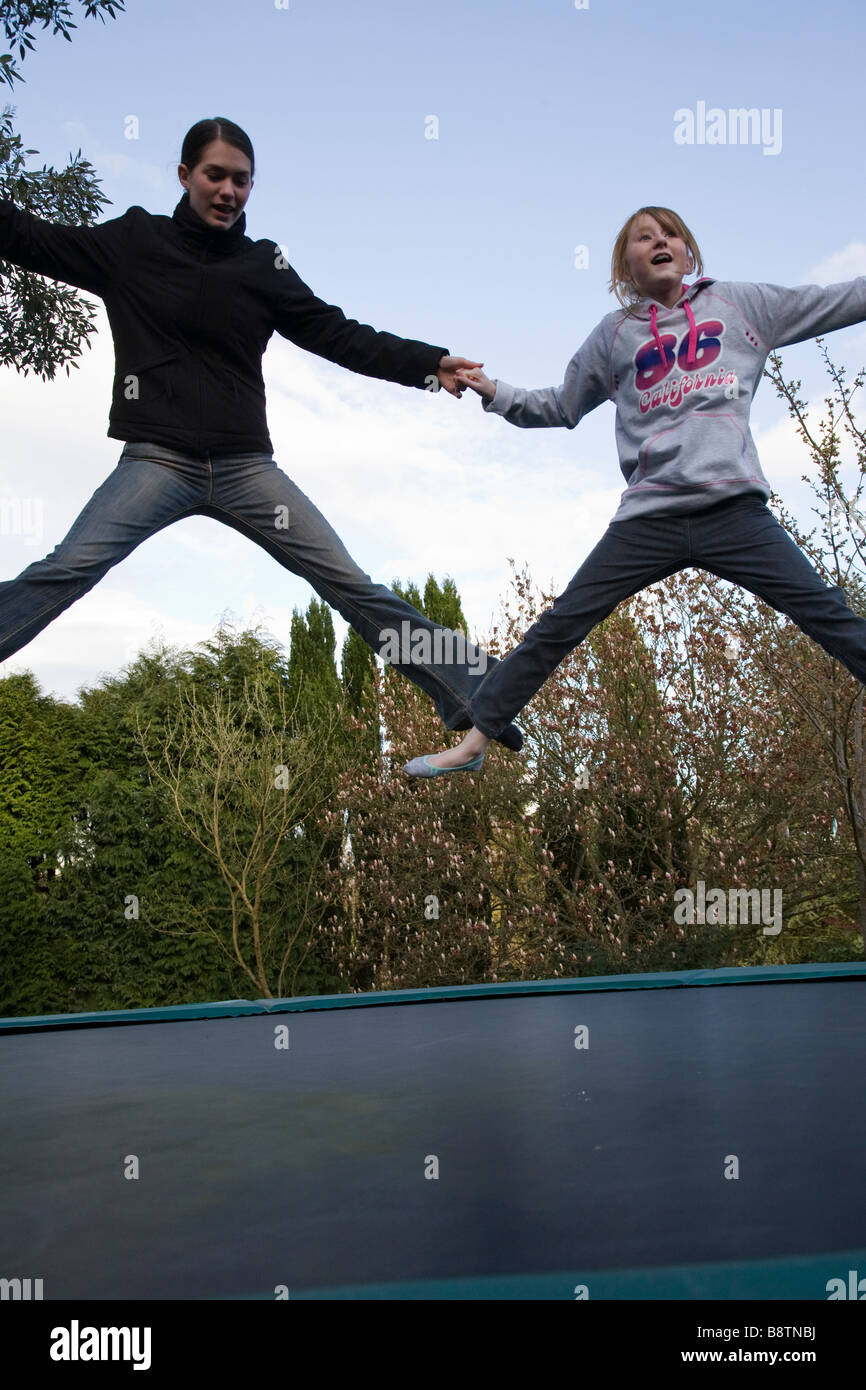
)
(683, 381)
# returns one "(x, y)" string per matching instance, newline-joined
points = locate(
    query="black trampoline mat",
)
(305, 1168)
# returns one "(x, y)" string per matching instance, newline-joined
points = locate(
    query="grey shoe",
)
(422, 767)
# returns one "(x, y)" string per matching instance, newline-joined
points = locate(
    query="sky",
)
(553, 121)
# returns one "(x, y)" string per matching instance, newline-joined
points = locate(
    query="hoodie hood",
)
(642, 308)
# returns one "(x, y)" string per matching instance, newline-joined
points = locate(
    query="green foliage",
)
(109, 901)
(44, 325)
(441, 602)
(18, 15)
(41, 763)
(358, 669)
(311, 666)
(41, 768)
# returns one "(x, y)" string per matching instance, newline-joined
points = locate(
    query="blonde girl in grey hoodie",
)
(681, 363)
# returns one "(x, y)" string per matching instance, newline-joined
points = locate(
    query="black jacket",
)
(191, 309)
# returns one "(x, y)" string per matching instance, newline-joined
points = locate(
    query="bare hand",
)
(477, 382)
(449, 367)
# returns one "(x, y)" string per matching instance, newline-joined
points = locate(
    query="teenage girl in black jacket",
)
(192, 302)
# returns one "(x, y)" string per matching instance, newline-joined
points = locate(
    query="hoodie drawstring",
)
(655, 328)
(693, 334)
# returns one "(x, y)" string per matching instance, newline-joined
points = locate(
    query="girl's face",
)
(657, 261)
(220, 180)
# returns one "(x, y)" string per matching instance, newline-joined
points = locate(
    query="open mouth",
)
(663, 258)
(223, 212)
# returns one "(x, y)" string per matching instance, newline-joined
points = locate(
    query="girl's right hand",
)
(475, 378)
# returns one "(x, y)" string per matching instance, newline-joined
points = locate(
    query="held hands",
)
(450, 371)
(474, 378)
(456, 373)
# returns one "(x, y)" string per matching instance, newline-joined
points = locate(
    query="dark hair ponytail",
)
(199, 136)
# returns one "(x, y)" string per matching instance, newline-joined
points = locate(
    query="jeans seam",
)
(461, 699)
(34, 617)
(47, 609)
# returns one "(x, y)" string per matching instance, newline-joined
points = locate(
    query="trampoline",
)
(696, 1135)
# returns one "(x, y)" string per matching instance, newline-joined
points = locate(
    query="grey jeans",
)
(153, 486)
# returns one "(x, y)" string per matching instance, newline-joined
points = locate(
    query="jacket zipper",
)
(199, 438)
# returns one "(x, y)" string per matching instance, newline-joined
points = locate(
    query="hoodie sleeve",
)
(324, 329)
(82, 256)
(784, 316)
(587, 384)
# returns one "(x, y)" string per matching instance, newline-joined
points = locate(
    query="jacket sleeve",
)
(82, 256)
(783, 316)
(586, 385)
(324, 329)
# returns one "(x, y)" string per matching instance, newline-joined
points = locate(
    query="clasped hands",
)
(456, 373)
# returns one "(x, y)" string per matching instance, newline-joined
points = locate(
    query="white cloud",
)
(98, 636)
(838, 266)
(123, 166)
(783, 453)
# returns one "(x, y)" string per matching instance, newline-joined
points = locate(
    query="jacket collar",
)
(196, 232)
(644, 307)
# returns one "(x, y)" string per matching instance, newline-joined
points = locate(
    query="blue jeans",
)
(738, 539)
(153, 486)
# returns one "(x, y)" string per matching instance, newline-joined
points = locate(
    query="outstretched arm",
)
(82, 256)
(586, 385)
(782, 316)
(324, 329)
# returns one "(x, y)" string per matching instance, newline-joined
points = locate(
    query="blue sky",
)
(554, 123)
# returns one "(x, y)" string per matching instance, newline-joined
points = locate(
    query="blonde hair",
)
(621, 283)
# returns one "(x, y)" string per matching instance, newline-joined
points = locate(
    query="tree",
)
(43, 325)
(822, 690)
(41, 771)
(605, 831)
(17, 15)
(136, 914)
(425, 871)
(120, 849)
(245, 784)
(658, 757)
